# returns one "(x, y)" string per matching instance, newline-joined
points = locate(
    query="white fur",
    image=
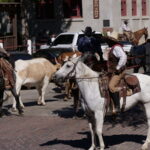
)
(93, 103)
(40, 84)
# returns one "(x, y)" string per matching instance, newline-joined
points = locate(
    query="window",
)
(45, 9)
(144, 9)
(72, 8)
(123, 8)
(106, 23)
(134, 8)
(63, 39)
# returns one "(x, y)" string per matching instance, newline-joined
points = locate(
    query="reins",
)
(75, 64)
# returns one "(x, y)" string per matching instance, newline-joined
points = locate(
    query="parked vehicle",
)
(50, 53)
(69, 40)
(19, 55)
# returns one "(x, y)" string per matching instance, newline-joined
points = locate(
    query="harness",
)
(127, 82)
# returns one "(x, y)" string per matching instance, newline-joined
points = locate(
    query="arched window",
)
(72, 8)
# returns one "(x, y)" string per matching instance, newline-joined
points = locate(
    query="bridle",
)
(68, 75)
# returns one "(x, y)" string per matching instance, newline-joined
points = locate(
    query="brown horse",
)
(135, 36)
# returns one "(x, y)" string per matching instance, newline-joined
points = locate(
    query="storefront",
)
(8, 23)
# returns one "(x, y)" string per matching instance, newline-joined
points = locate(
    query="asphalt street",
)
(53, 127)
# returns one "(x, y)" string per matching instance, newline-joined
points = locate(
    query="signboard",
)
(96, 9)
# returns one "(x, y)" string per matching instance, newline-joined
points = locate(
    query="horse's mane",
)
(139, 30)
(84, 69)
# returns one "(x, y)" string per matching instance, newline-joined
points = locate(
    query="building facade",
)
(55, 16)
(73, 15)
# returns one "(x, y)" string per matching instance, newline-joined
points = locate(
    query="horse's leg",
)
(145, 145)
(93, 138)
(99, 116)
(136, 69)
(1, 101)
(67, 88)
(16, 95)
(17, 92)
(144, 68)
(76, 99)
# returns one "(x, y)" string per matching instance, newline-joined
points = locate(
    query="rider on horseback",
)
(127, 31)
(6, 69)
(117, 59)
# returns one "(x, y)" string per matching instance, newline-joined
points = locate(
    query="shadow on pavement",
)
(134, 117)
(84, 143)
(78, 143)
(118, 139)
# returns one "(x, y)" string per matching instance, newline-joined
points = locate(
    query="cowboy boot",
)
(116, 99)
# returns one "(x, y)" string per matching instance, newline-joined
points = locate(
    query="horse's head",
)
(67, 70)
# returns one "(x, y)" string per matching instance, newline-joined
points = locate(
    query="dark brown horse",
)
(135, 36)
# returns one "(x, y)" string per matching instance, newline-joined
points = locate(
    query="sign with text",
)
(96, 9)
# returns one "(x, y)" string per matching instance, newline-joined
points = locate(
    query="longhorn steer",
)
(35, 72)
(69, 83)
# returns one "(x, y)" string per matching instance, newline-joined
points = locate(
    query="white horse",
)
(94, 104)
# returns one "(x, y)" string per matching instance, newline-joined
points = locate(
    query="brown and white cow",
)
(69, 84)
(63, 57)
(37, 73)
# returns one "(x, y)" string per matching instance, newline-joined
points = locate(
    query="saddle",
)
(129, 85)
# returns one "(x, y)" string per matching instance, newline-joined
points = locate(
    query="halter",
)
(75, 64)
(67, 76)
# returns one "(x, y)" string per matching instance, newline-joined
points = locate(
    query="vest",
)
(112, 60)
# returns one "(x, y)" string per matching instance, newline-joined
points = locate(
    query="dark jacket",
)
(88, 44)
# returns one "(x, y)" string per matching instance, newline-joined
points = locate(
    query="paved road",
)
(52, 127)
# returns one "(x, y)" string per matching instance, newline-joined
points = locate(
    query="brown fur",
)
(62, 57)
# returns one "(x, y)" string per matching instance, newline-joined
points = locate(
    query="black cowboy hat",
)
(88, 31)
(111, 41)
(125, 21)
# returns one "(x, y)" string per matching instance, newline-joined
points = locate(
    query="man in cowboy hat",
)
(89, 44)
(116, 63)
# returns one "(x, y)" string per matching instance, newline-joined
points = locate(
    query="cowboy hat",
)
(88, 31)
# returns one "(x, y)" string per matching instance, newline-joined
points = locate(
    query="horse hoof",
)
(1, 114)
(21, 113)
(13, 109)
(22, 106)
(65, 99)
